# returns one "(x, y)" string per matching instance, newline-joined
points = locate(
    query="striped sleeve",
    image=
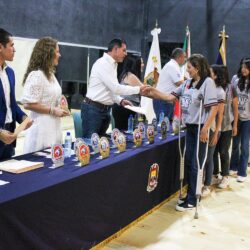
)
(210, 93)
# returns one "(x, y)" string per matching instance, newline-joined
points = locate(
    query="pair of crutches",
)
(200, 171)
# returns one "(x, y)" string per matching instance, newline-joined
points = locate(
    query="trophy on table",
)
(95, 139)
(83, 154)
(77, 142)
(141, 127)
(57, 155)
(114, 137)
(104, 147)
(154, 123)
(121, 142)
(163, 130)
(137, 137)
(151, 134)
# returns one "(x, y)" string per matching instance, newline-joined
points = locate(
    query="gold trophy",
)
(151, 134)
(83, 154)
(104, 147)
(121, 142)
(137, 137)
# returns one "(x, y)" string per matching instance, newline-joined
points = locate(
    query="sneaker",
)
(232, 172)
(216, 179)
(241, 178)
(184, 207)
(205, 191)
(181, 200)
(224, 182)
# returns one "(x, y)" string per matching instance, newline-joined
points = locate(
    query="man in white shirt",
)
(10, 112)
(104, 90)
(170, 78)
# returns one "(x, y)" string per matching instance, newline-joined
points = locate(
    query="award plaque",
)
(114, 136)
(141, 127)
(57, 155)
(167, 123)
(83, 154)
(95, 139)
(64, 104)
(163, 130)
(137, 137)
(121, 142)
(77, 142)
(151, 134)
(154, 123)
(176, 125)
(104, 147)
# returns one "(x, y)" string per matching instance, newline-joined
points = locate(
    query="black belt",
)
(97, 104)
(7, 126)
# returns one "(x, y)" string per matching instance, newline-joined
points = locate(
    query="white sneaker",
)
(206, 191)
(216, 179)
(224, 182)
(232, 173)
(241, 178)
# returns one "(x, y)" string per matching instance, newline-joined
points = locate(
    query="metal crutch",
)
(200, 169)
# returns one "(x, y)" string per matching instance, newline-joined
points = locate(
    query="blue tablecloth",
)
(74, 207)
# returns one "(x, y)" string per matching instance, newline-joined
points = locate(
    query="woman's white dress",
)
(46, 129)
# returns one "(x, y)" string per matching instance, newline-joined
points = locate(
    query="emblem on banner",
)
(104, 147)
(137, 137)
(153, 177)
(151, 134)
(83, 154)
(57, 155)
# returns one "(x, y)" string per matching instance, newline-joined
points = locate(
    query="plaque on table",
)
(114, 136)
(83, 154)
(104, 147)
(121, 142)
(77, 142)
(57, 155)
(154, 123)
(137, 137)
(141, 127)
(95, 139)
(163, 130)
(151, 134)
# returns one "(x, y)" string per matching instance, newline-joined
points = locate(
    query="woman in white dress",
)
(41, 96)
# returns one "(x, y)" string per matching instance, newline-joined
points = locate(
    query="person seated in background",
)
(41, 95)
(104, 90)
(10, 112)
(130, 75)
(169, 80)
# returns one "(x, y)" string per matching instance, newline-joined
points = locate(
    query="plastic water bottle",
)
(130, 124)
(161, 117)
(67, 145)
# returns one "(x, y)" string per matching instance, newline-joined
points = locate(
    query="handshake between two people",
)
(148, 91)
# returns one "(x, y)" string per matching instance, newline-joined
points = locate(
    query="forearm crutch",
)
(182, 157)
(200, 168)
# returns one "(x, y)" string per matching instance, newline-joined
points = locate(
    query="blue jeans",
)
(209, 167)
(94, 120)
(190, 160)
(167, 108)
(6, 151)
(239, 160)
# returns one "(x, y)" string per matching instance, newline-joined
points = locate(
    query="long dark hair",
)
(131, 64)
(199, 62)
(244, 79)
(222, 75)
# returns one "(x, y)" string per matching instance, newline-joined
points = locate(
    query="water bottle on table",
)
(67, 145)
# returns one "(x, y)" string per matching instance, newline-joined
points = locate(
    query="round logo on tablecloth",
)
(153, 177)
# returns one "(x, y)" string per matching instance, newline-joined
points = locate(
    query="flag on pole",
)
(187, 49)
(222, 55)
(153, 69)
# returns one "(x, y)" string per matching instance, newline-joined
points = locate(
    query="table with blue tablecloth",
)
(74, 207)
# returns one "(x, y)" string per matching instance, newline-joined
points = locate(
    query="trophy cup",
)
(104, 147)
(151, 134)
(137, 137)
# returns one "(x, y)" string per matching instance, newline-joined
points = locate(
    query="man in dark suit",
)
(10, 112)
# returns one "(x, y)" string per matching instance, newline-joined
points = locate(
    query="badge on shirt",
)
(104, 147)
(83, 154)
(121, 142)
(95, 139)
(57, 155)
(151, 134)
(137, 137)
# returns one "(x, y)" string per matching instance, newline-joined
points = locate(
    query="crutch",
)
(200, 168)
(182, 157)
